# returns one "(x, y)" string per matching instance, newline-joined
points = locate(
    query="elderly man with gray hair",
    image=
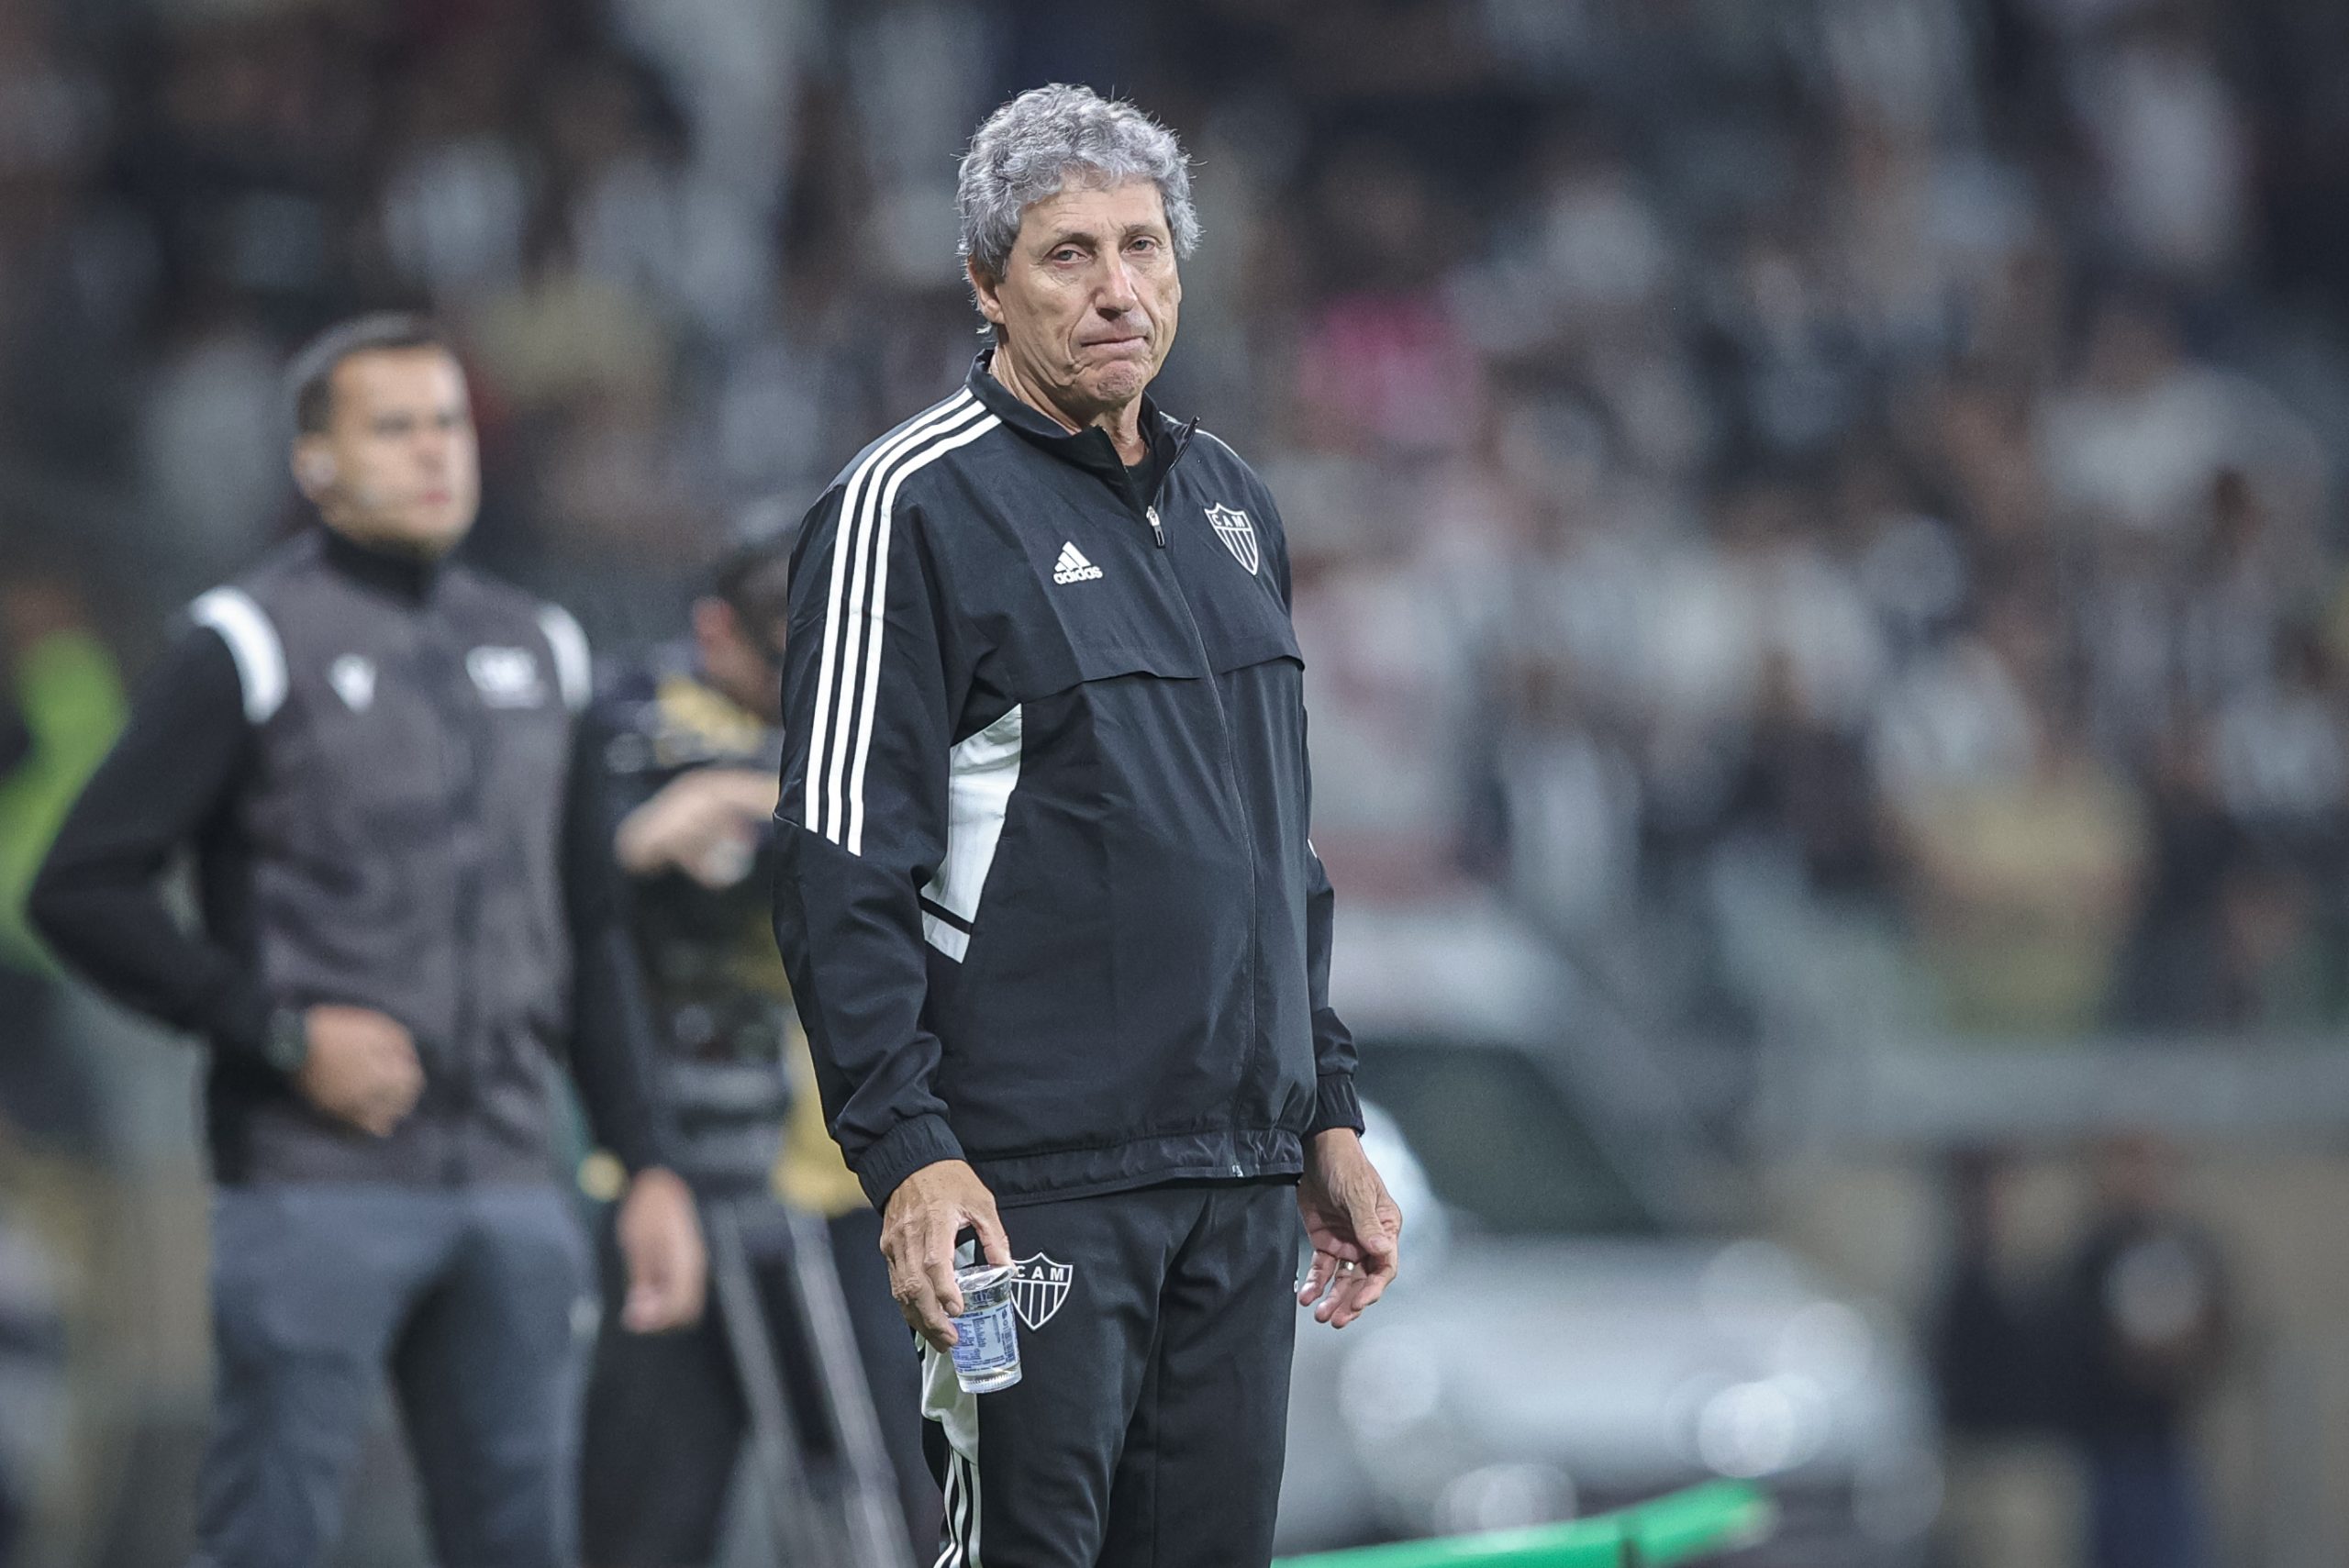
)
(1045, 893)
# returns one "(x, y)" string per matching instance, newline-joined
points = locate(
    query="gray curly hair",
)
(1028, 151)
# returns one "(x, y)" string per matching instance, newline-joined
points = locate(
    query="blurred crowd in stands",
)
(1830, 488)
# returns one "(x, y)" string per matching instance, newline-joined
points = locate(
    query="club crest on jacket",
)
(352, 676)
(1239, 536)
(505, 677)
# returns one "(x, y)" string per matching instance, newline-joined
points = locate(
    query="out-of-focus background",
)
(1821, 570)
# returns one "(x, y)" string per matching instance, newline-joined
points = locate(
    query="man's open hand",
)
(929, 1209)
(1355, 1229)
(360, 1067)
(660, 1238)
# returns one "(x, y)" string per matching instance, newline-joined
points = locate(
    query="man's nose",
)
(1118, 293)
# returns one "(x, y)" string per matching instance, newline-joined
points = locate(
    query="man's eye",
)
(1067, 253)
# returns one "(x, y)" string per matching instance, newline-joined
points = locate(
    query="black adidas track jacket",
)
(1042, 880)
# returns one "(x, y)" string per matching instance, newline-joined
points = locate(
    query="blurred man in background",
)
(2144, 1332)
(408, 914)
(1998, 1372)
(689, 740)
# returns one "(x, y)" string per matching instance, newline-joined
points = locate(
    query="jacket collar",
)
(407, 578)
(1091, 448)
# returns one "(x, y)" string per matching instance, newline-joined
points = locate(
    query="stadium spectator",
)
(2146, 1322)
(1998, 1368)
(2022, 877)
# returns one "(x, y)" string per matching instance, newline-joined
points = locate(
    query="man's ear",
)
(313, 467)
(983, 289)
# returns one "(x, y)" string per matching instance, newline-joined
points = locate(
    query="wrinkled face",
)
(1086, 304)
(396, 464)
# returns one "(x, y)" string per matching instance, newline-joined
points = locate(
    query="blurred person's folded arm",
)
(694, 824)
(98, 899)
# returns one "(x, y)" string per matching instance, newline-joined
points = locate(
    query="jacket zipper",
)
(1149, 512)
(1231, 751)
(462, 742)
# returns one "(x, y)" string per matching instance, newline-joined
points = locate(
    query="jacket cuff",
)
(903, 1150)
(638, 1148)
(235, 1018)
(1335, 1104)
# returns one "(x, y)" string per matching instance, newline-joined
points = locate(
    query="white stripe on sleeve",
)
(878, 613)
(574, 672)
(252, 643)
(833, 661)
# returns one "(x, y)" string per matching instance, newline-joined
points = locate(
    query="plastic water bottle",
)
(987, 1346)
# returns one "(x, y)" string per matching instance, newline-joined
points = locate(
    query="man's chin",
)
(437, 542)
(1115, 385)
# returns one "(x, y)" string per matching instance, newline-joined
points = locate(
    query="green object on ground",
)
(1718, 1516)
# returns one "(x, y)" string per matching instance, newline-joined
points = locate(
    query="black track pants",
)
(1147, 1429)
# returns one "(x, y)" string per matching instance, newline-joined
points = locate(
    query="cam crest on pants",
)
(1039, 1286)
